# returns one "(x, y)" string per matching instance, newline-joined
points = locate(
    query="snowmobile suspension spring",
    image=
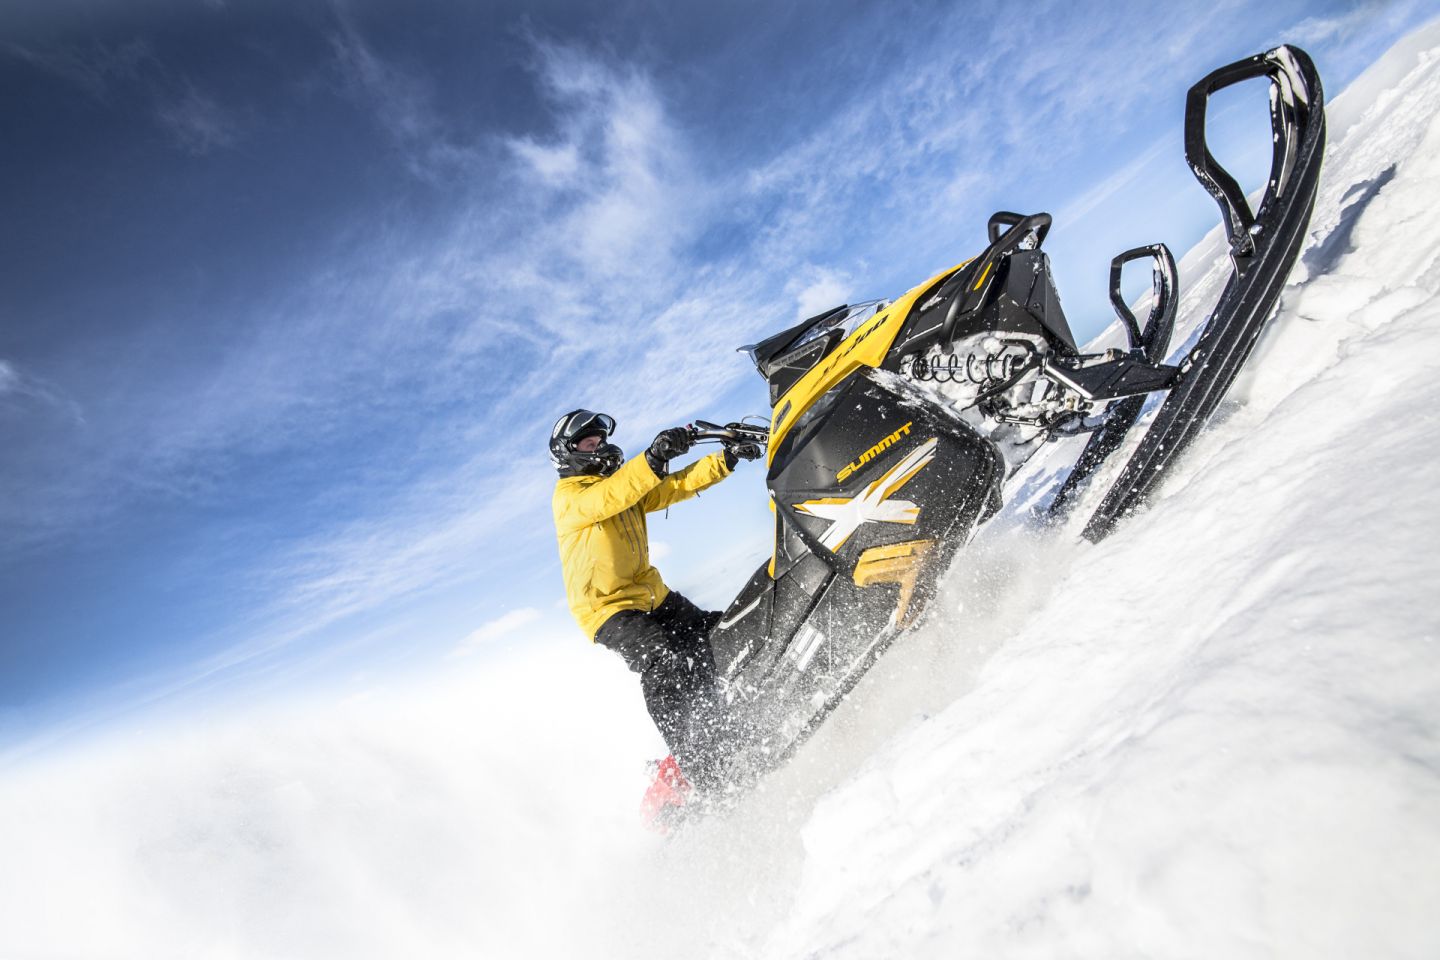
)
(978, 369)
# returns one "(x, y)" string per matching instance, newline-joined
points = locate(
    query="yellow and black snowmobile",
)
(895, 424)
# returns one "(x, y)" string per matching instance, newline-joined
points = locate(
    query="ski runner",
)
(615, 593)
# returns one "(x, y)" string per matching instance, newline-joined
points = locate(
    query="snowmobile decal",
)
(846, 514)
(872, 453)
(983, 277)
(807, 641)
(897, 563)
(735, 618)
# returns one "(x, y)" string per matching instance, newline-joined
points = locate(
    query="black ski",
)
(1263, 248)
(1153, 342)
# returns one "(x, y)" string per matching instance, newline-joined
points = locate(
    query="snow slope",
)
(1211, 735)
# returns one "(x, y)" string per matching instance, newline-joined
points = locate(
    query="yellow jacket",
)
(604, 550)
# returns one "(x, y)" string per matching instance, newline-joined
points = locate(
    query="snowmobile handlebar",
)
(1039, 223)
(702, 431)
(1008, 232)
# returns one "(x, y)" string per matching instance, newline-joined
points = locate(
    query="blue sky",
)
(290, 294)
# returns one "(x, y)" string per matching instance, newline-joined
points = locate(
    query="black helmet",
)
(575, 426)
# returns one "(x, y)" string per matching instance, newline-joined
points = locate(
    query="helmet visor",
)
(582, 423)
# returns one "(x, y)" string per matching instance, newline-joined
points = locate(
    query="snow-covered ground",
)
(1212, 735)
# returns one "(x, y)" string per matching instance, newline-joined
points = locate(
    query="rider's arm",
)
(581, 505)
(684, 484)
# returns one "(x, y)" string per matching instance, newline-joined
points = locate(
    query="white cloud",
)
(821, 290)
(630, 196)
(556, 166)
(9, 379)
(492, 630)
(1315, 30)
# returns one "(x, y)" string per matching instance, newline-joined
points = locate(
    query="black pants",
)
(670, 648)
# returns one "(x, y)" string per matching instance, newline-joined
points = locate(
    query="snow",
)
(1211, 735)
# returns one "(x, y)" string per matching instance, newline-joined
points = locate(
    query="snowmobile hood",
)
(866, 347)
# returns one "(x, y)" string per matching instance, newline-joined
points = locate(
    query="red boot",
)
(660, 809)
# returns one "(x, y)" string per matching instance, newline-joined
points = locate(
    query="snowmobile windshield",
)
(846, 321)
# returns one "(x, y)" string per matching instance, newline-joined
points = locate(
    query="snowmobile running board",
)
(1263, 248)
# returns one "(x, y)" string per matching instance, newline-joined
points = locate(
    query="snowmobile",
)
(895, 424)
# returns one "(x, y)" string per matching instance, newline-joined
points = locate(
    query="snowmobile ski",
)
(1153, 341)
(1263, 247)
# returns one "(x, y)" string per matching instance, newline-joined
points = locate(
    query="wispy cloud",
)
(1079, 206)
(9, 379)
(960, 130)
(557, 166)
(198, 123)
(1320, 29)
(18, 388)
(108, 73)
(424, 538)
(619, 188)
(401, 102)
(492, 630)
(1352, 36)
(94, 69)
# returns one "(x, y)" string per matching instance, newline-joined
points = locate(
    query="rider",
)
(615, 593)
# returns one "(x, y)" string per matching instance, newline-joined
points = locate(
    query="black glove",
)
(737, 450)
(667, 444)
